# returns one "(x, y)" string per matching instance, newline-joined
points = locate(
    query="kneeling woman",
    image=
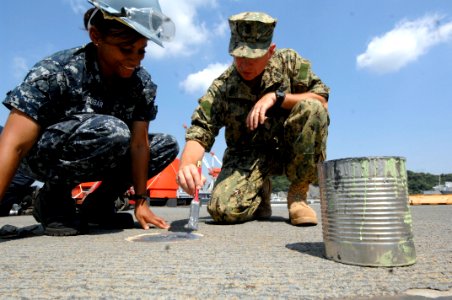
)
(83, 115)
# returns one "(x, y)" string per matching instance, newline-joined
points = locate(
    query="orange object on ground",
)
(83, 189)
(435, 199)
(163, 185)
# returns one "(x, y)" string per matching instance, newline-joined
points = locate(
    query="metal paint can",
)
(366, 218)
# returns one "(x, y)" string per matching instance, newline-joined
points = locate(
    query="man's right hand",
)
(189, 179)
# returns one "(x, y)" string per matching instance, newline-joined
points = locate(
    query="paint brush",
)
(195, 206)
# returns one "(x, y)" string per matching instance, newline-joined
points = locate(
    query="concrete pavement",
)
(256, 260)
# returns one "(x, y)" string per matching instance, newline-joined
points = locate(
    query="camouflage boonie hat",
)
(251, 34)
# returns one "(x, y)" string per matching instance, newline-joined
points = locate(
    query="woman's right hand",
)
(146, 216)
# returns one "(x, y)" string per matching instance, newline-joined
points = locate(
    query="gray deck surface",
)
(256, 260)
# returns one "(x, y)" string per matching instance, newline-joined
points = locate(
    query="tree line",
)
(417, 182)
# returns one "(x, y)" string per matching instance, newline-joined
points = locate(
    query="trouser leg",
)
(305, 135)
(264, 210)
(81, 148)
(306, 132)
(238, 190)
(163, 150)
(239, 187)
(54, 208)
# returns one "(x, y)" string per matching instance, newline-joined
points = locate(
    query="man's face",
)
(250, 68)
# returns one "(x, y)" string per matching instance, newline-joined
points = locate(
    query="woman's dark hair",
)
(107, 27)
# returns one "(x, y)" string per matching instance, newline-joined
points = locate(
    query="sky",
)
(388, 64)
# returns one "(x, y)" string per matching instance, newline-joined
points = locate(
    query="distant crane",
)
(212, 170)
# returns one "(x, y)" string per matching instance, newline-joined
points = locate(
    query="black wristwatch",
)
(140, 197)
(280, 96)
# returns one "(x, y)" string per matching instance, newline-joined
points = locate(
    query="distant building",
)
(445, 188)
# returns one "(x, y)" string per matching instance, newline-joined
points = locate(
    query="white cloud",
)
(20, 67)
(404, 44)
(221, 28)
(200, 81)
(191, 30)
(78, 6)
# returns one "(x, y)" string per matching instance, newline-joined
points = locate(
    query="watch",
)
(280, 96)
(138, 196)
(141, 197)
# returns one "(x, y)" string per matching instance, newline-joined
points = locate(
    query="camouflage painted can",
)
(366, 218)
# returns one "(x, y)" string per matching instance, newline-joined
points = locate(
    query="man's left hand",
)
(256, 116)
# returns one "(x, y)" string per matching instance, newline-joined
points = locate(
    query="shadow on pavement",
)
(314, 249)
(179, 226)
(270, 220)
(276, 219)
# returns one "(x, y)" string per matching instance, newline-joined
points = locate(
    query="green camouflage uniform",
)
(290, 142)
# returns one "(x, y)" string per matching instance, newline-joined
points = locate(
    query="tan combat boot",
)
(264, 210)
(299, 211)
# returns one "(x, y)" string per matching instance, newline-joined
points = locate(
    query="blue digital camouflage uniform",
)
(289, 142)
(85, 123)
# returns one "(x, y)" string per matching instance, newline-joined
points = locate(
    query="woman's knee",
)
(82, 146)
(163, 144)
(113, 129)
(163, 150)
(104, 135)
(172, 145)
